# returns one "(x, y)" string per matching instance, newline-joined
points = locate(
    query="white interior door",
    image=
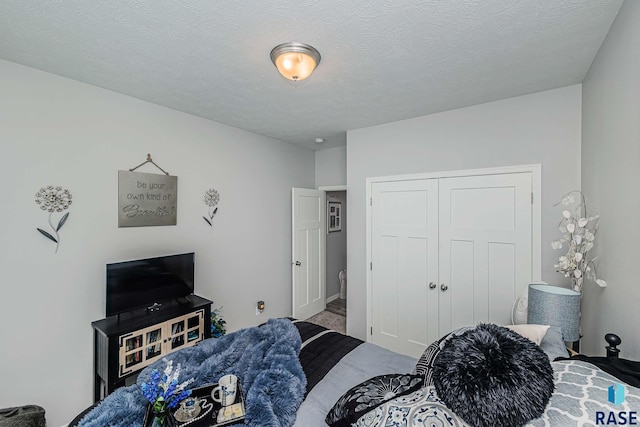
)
(308, 254)
(485, 247)
(404, 263)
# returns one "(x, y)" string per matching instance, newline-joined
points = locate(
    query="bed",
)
(335, 366)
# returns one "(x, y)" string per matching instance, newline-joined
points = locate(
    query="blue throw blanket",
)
(264, 358)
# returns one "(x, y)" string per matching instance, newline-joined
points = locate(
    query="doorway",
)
(336, 252)
(336, 245)
(319, 294)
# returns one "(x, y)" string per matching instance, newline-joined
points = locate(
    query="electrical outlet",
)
(259, 308)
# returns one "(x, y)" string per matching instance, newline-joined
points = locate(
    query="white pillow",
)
(534, 333)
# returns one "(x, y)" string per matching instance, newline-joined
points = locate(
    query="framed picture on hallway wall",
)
(334, 216)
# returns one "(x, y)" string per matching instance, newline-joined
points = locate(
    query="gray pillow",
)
(553, 345)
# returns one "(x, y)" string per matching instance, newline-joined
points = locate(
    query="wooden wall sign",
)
(146, 199)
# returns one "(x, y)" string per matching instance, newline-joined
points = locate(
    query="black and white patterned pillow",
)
(424, 367)
(369, 395)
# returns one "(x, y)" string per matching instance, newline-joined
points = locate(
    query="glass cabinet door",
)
(186, 330)
(133, 350)
(194, 328)
(153, 343)
(140, 348)
(177, 333)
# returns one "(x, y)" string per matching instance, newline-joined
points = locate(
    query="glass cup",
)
(189, 406)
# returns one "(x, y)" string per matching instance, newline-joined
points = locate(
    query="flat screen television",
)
(140, 283)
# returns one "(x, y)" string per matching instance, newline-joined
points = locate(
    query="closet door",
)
(404, 308)
(446, 253)
(485, 247)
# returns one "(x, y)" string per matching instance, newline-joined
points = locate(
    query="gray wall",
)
(542, 128)
(610, 181)
(60, 132)
(336, 259)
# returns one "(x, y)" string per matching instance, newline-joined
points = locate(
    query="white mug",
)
(226, 389)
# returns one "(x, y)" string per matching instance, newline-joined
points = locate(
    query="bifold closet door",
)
(485, 247)
(404, 225)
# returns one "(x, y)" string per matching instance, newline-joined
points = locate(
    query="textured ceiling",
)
(382, 60)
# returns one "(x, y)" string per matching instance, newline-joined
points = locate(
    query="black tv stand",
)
(124, 346)
(185, 299)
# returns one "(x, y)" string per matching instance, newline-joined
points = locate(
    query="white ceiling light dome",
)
(295, 61)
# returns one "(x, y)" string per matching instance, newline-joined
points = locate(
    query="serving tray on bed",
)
(209, 409)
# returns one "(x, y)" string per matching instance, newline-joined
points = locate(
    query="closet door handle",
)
(432, 285)
(443, 287)
(298, 263)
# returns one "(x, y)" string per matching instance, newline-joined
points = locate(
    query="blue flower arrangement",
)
(163, 390)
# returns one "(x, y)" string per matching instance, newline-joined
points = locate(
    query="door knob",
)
(298, 263)
(432, 285)
(443, 287)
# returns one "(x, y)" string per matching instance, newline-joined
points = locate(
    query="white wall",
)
(610, 181)
(540, 128)
(331, 166)
(60, 132)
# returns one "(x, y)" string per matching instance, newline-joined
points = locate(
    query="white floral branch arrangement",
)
(579, 235)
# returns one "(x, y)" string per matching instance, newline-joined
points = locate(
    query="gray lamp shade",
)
(555, 306)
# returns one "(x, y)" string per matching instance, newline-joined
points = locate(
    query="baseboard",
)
(333, 297)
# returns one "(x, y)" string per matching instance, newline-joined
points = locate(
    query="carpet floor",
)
(338, 306)
(330, 320)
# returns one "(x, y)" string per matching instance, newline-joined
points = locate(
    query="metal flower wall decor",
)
(54, 199)
(579, 234)
(211, 199)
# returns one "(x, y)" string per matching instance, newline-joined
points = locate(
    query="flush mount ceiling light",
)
(295, 61)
